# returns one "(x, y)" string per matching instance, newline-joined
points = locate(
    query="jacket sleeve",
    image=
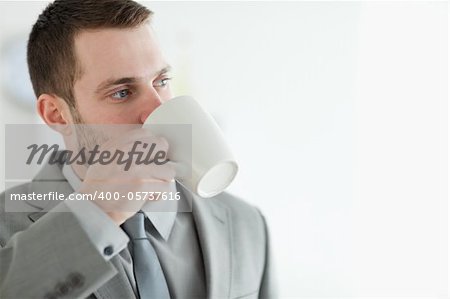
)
(269, 285)
(57, 256)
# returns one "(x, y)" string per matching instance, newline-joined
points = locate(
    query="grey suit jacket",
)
(49, 253)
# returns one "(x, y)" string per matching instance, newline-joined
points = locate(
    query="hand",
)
(120, 178)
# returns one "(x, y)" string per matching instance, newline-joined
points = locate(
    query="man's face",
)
(124, 75)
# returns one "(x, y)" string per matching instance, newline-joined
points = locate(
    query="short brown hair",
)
(51, 58)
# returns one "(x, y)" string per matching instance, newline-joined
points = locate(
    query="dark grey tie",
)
(149, 276)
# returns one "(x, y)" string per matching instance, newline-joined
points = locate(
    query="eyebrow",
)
(127, 80)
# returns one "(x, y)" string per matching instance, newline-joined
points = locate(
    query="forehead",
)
(117, 52)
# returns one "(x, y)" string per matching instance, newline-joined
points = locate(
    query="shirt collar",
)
(71, 177)
(162, 221)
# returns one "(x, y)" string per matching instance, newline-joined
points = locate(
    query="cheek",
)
(94, 111)
(90, 111)
(102, 112)
(114, 114)
(87, 107)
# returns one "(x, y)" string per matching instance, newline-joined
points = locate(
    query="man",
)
(98, 62)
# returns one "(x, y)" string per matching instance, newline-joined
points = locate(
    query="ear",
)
(55, 112)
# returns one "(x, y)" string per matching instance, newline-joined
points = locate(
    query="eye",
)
(122, 94)
(162, 82)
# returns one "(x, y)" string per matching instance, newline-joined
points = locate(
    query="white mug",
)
(210, 161)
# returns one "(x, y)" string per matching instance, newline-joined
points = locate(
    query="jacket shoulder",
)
(13, 222)
(18, 189)
(237, 206)
(246, 220)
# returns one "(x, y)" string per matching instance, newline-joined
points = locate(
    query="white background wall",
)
(337, 113)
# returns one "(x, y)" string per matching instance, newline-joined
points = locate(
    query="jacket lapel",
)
(214, 233)
(118, 286)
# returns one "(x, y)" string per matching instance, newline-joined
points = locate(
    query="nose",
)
(151, 101)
